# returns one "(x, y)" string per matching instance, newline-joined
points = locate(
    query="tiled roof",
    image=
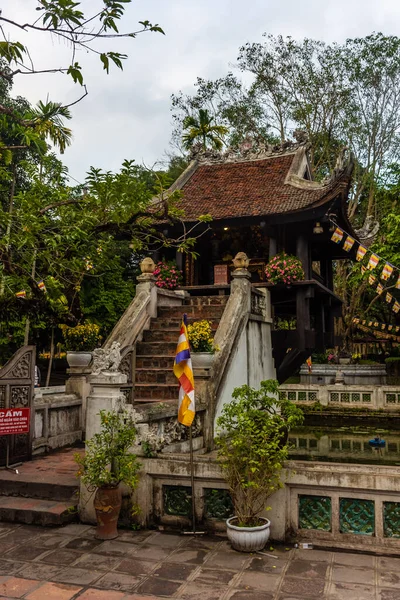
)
(246, 188)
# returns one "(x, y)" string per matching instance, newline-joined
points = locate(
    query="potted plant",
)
(202, 343)
(285, 269)
(252, 447)
(168, 276)
(106, 463)
(344, 357)
(79, 342)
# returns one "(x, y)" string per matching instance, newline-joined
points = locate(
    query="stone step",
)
(165, 391)
(159, 348)
(195, 313)
(175, 323)
(155, 361)
(173, 402)
(161, 335)
(156, 376)
(33, 511)
(43, 490)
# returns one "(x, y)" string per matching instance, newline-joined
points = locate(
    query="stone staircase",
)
(155, 380)
(43, 491)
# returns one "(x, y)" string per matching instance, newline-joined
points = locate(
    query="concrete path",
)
(69, 563)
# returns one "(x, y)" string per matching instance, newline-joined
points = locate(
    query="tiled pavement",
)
(68, 563)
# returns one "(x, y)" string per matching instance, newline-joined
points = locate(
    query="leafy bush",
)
(82, 337)
(168, 275)
(107, 460)
(284, 268)
(252, 446)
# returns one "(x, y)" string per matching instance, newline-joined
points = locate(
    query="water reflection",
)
(345, 444)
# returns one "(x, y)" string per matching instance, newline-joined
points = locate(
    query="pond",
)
(349, 444)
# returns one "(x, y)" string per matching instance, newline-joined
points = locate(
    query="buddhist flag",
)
(41, 286)
(398, 283)
(371, 279)
(379, 288)
(363, 269)
(396, 308)
(309, 364)
(337, 235)
(370, 324)
(387, 271)
(21, 294)
(389, 297)
(397, 328)
(363, 322)
(383, 326)
(184, 373)
(390, 327)
(348, 243)
(373, 261)
(360, 252)
(376, 324)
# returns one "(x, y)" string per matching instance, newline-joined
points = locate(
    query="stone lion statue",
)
(106, 360)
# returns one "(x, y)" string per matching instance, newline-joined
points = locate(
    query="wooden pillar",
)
(272, 247)
(303, 253)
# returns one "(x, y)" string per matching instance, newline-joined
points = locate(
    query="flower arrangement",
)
(201, 338)
(168, 275)
(284, 268)
(82, 337)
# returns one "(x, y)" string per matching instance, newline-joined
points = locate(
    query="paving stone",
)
(151, 552)
(118, 581)
(54, 591)
(229, 560)
(49, 540)
(16, 587)
(73, 529)
(140, 597)
(389, 564)
(259, 581)
(389, 579)
(83, 545)
(159, 587)
(9, 567)
(6, 546)
(350, 591)
(27, 552)
(305, 588)
(39, 571)
(196, 591)
(354, 560)
(266, 565)
(97, 561)
(209, 576)
(206, 542)
(115, 548)
(387, 594)
(165, 540)
(322, 555)
(18, 536)
(61, 557)
(175, 571)
(306, 568)
(250, 595)
(136, 567)
(92, 594)
(134, 537)
(77, 576)
(352, 574)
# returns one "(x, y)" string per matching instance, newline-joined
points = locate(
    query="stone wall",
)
(350, 374)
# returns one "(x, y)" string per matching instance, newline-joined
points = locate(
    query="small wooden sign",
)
(221, 274)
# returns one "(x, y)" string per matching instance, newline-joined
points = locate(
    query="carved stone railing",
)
(58, 419)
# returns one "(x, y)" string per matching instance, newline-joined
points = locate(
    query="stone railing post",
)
(105, 395)
(241, 278)
(146, 282)
(77, 383)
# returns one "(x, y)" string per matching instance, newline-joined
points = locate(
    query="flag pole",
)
(192, 479)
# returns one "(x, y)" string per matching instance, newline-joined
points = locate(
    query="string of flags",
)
(388, 270)
(380, 330)
(41, 285)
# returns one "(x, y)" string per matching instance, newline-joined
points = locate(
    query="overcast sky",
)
(127, 114)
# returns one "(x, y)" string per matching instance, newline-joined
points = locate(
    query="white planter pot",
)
(202, 360)
(79, 359)
(248, 539)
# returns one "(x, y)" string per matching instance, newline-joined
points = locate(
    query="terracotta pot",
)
(107, 503)
(79, 359)
(248, 539)
(202, 360)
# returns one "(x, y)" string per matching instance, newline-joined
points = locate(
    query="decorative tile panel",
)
(391, 519)
(218, 504)
(177, 500)
(315, 512)
(357, 516)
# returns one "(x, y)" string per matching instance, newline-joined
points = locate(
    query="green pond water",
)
(345, 444)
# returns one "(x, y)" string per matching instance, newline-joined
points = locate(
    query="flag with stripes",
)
(41, 286)
(337, 235)
(21, 294)
(184, 373)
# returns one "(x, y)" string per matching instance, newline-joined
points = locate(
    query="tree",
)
(202, 128)
(76, 27)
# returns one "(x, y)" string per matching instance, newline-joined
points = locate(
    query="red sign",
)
(14, 420)
(220, 274)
